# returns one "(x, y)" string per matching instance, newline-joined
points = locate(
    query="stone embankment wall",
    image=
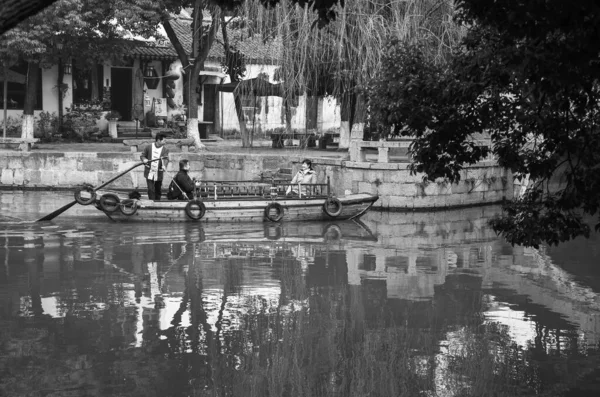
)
(481, 184)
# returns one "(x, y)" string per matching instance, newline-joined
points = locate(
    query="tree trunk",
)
(358, 120)
(33, 70)
(5, 101)
(59, 84)
(192, 122)
(347, 109)
(312, 112)
(201, 45)
(239, 111)
(288, 116)
(94, 82)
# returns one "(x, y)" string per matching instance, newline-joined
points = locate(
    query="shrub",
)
(113, 114)
(47, 124)
(13, 126)
(80, 119)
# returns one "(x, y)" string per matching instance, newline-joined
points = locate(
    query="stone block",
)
(399, 202)
(365, 187)
(15, 163)
(406, 190)
(356, 164)
(7, 176)
(385, 166)
(18, 176)
(330, 162)
(428, 202)
(33, 177)
(91, 165)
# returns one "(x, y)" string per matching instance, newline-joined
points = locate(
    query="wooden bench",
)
(328, 138)
(24, 144)
(135, 144)
(307, 139)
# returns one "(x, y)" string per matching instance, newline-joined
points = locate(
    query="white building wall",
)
(271, 114)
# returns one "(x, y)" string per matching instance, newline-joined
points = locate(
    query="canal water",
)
(417, 304)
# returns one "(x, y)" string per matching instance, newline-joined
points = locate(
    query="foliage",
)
(529, 80)
(80, 120)
(47, 124)
(112, 115)
(13, 126)
(342, 58)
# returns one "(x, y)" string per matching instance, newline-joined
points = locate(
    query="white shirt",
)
(156, 152)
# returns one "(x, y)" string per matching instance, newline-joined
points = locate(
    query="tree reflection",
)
(289, 315)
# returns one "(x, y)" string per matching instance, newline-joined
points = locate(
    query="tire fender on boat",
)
(195, 205)
(109, 202)
(333, 207)
(128, 207)
(85, 195)
(279, 212)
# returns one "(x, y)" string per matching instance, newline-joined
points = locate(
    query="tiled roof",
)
(150, 51)
(254, 49)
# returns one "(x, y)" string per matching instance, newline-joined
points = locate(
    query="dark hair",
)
(182, 163)
(308, 162)
(160, 136)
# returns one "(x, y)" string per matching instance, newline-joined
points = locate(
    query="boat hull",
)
(246, 210)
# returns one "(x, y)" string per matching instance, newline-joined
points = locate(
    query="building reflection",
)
(219, 307)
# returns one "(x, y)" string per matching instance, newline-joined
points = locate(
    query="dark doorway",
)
(209, 102)
(120, 91)
(210, 96)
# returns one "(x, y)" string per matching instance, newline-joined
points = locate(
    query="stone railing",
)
(360, 149)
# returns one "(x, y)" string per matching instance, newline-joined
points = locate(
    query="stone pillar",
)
(383, 154)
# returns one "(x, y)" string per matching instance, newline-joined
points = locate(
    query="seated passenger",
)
(305, 176)
(182, 186)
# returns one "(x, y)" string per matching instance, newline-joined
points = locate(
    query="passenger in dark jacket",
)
(182, 186)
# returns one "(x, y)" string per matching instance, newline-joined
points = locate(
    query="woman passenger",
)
(305, 176)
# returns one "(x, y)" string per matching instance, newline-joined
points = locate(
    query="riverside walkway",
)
(261, 147)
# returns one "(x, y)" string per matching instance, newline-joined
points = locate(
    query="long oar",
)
(59, 211)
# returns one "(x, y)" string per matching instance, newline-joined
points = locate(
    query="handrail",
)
(264, 190)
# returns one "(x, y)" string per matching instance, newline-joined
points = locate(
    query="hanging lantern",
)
(67, 68)
(151, 77)
(150, 72)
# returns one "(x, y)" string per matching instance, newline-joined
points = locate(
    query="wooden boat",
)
(229, 201)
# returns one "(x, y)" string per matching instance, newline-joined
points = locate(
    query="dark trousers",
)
(154, 189)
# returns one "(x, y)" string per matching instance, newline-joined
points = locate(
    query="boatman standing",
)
(153, 172)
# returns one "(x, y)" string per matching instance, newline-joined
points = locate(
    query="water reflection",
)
(398, 304)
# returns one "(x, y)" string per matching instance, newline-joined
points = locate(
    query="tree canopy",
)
(526, 74)
(14, 11)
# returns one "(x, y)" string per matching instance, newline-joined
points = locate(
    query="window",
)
(87, 83)
(17, 77)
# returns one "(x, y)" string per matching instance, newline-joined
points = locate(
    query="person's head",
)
(184, 165)
(306, 165)
(160, 139)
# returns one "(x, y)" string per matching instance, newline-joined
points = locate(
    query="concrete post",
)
(383, 154)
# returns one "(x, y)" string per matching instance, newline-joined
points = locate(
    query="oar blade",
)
(56, 213)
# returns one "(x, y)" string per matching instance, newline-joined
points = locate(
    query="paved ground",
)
(220, 146)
